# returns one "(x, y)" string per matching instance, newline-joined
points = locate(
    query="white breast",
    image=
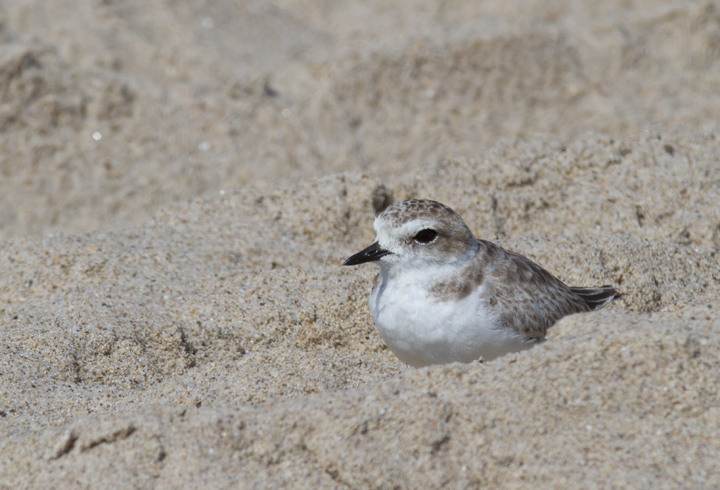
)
(421, 330)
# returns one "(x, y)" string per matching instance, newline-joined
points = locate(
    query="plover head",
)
(418, 233)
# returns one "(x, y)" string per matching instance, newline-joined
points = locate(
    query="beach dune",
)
(181, 182)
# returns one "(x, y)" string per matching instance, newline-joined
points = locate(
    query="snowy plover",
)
(444, 296)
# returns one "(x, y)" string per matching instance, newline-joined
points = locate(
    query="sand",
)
(181, 182)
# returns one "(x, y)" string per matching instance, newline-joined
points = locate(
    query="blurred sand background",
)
(180, 181)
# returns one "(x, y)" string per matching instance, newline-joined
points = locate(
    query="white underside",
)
(421, 330)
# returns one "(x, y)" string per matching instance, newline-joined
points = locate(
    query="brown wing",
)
(528, 297)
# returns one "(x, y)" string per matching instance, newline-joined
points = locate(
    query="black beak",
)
(370, 254)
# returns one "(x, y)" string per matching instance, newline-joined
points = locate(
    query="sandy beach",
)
(181, 182)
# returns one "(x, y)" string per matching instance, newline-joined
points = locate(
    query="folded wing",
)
(529, 298)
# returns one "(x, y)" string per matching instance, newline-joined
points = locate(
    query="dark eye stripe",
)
(425, 236)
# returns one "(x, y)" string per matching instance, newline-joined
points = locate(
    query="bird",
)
(442, 295)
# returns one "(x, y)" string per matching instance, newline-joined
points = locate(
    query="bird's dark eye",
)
(425, 236)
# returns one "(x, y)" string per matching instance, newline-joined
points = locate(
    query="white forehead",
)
(389, 231)
(405, 219)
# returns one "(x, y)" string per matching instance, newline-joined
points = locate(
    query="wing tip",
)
(599, 297)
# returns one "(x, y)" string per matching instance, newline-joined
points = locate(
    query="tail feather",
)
(596, 298)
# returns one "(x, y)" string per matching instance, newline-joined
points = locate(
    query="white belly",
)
(421, 330)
